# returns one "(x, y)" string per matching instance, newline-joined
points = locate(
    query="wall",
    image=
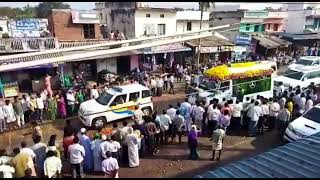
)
(101, 64)
(60, 24)
(112, 65)
(141, 22)
(195, 25)
(280, 27)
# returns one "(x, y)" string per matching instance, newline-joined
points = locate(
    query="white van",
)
(114, 104)
(302, 76)
(305, 61)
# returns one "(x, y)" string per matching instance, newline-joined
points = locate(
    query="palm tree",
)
(203, 6)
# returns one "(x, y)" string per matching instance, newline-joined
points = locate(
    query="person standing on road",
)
(67, 141)
(186, 112)
(159, 82)
(97, 156)
(3, 123)
(218, 135)
(9, 112)
(133, 150)
(254, 113)
(26, 109)
(283, 119)
(138, 114)
(62, 110)
(301, 102)
(76, 154)
(165, 81)
(114, 148)
(274, 111)
(40, 107)
(94, 93)
(52, 107)
(236, 115)
(52, 165)
(177, 125)
(165, 122)
(171, 82)
(224, 120)
(86, 143)
(71, 101)
(265, 115)
(110, 166)
(193, 143)
(171, 112)
(27, 150)
(18, 111)
(40, 150)
(309, 104)
(21, 162)
(198, 115)
(153, 86)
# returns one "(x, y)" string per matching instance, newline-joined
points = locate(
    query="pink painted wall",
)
(134, 61)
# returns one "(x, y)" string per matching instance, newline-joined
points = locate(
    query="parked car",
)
(306, 125)
(305, 61)
(302, 76)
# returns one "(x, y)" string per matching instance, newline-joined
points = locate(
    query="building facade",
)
(275, 21)
(253, 21)
(67, 24)
(190, 21)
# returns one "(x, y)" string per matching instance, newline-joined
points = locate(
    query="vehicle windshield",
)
(104, 98)
(304, 62)
(208, 85)
(293, 74)
(313, 114)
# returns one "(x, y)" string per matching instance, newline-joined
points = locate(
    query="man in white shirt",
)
(110, 166)
(40, 107)
(114, 147)
(71, 100)
(254, 113)
(265, 115)
(26, 108)
(274, 110)
(236, 115)
(213, 118)
(9, 112)
(171, 83)
(94, 92)
(159, 82)
(25, 149)
(309, 104)
(104, 146)
(165, 122)
(153, 85)
(3, 123)
(198, 115)
(76, 154)
(171, 112)
(188, 82)
(52, 165)
(138, 114)
(301, 103)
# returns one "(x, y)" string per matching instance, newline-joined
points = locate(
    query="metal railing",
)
(15, 45)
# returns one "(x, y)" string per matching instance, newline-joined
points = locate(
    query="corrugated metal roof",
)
(299, 159)
(210, 42)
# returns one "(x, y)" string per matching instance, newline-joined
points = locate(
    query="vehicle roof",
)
(128, 88)
(306, 69)
(310, 58)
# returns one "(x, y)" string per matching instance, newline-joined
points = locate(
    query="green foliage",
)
(44, 8)
(15, 13)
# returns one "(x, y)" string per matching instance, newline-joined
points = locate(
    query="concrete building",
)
(275, 21)
(190, 21)
(67, 24)
(253, 21)
(4, 26)
(136, 19)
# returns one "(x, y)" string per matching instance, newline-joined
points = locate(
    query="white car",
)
(302, 76)
(306, 125)
(305, 61)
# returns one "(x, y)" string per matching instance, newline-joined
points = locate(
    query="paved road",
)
(172, 160)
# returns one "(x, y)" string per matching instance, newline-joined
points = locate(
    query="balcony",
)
(19, 45)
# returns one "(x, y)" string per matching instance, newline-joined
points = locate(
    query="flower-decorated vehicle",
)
(238, 80)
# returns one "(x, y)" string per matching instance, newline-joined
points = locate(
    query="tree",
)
(203, 6)
(44, 8)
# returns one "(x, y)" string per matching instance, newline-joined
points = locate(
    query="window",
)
(251, 85)
(161, 29)
(275, 27)
(268, 26)
(294, 74)
(256, 28)
(146, 94)
(161, 15)
(247, 27)
(119, 100)
(189, 26)
(88, 31)
(1, 28)
(313, 114)
(148, 15)
(134, 96)
(104, 98)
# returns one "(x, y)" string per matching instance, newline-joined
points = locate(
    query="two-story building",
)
(275, 21)
(67, 24)
(253, 21)
(190, 21)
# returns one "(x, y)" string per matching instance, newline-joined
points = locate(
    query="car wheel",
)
(99, 122)
(147, 111)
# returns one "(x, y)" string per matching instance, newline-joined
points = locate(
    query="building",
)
(136, 20)
(275, 21)
(313, 21)
(67, 24)
(190, 21)
(4, 26)
(253, 21)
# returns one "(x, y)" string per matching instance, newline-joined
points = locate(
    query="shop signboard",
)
(25, 28)
(11, 89)
(208, 49)
(79, 17)
(243, 39)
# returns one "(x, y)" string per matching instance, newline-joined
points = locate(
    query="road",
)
(172, 160)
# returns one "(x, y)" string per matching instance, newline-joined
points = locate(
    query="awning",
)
(301, 36)
(175, 47)
(270, 42)
(210, 42)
